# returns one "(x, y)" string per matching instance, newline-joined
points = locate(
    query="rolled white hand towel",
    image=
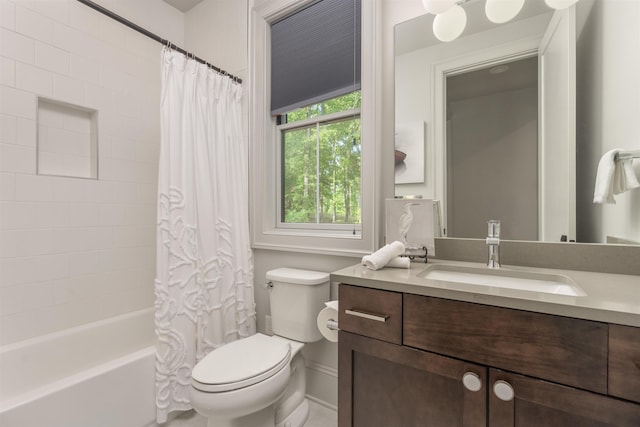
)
(382, 256)
(399, 262)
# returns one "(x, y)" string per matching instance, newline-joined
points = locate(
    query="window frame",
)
(264, 142)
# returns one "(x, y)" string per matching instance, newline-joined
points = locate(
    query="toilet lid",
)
(240, 364)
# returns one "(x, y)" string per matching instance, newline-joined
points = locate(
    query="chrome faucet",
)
(493, 243)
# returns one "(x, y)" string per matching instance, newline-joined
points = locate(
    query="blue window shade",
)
(315, 54)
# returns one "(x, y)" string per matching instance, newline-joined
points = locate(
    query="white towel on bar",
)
(383, 256)
(613, 177)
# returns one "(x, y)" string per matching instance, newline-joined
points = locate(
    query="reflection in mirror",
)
(492, 115)
(490, 154)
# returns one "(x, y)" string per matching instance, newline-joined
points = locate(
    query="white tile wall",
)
(66, 140)
(17, 46)
(7, 14)
(52, 58)
(33, 24)
(7, 72)
(75, 250)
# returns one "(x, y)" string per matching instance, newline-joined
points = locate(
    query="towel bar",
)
(623, 155)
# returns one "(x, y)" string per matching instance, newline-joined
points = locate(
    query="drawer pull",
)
(371, 316)
(503, 390)
(472, 381)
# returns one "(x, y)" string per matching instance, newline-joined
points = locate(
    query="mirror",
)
(595, 109)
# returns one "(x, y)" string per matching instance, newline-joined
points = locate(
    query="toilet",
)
(259, 381)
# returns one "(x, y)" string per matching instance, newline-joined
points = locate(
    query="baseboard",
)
(322, 403)
(322, 384)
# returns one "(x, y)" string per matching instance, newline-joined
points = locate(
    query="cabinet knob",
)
(472, 381)
(503, 390)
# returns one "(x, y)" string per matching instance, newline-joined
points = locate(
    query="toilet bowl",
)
(239, 379)
(259, 381)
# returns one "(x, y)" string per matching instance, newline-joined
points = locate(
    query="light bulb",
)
(449, 25)
(438, 6)
(560, 4)
(501, 11)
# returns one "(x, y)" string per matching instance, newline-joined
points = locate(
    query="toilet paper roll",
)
(326, 314)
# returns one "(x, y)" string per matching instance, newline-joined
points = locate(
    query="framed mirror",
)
(517, 116)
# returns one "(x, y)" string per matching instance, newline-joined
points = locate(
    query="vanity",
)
(419, 350)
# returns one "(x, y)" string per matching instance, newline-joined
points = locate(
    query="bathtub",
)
(99, 374)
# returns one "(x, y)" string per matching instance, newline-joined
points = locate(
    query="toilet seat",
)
(240, 364)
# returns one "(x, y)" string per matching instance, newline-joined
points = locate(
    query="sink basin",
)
(503, 278)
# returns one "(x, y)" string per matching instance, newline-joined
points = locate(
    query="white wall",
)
(77, 250)
(216, 30)
(608, 111)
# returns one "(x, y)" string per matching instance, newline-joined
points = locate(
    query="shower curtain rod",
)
(153, 36)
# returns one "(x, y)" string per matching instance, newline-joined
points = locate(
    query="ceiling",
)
(183, 5)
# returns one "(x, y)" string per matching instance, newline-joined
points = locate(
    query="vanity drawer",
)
(559, 349)
(624, 362)
(371, 312)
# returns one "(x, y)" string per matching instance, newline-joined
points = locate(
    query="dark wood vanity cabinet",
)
(455, 363)
(383, 385)
(539, 403)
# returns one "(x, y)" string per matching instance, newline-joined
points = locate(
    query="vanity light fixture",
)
(501, 11)
(451, 19)
(449, 25)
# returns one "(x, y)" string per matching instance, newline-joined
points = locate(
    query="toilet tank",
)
(296, 298)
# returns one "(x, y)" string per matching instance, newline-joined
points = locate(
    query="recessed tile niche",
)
(67, 140)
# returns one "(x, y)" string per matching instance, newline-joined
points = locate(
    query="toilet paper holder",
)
(332, 324)
(328, 321)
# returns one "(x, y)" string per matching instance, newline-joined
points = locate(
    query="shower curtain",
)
(204, 279)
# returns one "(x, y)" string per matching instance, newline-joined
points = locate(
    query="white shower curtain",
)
(204, 280)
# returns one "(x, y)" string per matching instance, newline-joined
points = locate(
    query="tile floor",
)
(319, 416)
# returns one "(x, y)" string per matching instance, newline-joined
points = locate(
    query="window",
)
(313, 154)
(320, 165)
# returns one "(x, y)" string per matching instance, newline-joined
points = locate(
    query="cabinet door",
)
(387, 385)
(538, 403)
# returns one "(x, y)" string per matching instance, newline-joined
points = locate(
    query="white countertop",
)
(612, 298)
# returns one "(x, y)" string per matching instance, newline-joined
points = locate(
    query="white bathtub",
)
(99, 374)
